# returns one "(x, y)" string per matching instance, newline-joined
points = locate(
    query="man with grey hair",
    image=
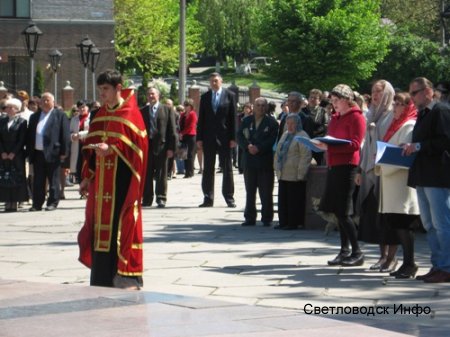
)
(160, 124)
(256, 136)
(294, 102)
(48, 142)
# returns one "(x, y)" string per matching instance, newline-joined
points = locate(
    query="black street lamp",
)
(182, 64)
(55, 58)
(95, 57)
(32, 34)
(85, 47)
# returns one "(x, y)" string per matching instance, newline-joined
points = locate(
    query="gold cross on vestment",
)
(109, 164)
(104, 137)
(107, 197)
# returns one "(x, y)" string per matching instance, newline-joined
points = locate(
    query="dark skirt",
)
(18, 193)
(339, 188)
(402, 221)
(388, 233)
(370, 222)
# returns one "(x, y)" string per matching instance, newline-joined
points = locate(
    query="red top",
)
(351, 126)
(188, 124)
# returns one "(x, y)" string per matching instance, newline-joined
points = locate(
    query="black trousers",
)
(209, 156)
(189, 162)
(44, 171)
(240, 159)
(348, 234)
(291, 203)
(261, 180)
(156, 178)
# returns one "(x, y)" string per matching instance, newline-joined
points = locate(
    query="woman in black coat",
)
(13, 131)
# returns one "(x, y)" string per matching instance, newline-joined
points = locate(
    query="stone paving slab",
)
(204, 254)
(37, 309)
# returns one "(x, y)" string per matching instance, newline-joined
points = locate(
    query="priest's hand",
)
(103, 149)
(84, 187)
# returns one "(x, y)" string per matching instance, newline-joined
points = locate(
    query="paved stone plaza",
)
(205, 276)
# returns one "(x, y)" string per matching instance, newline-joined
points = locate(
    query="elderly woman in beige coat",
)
(292, 161)
(398, 203)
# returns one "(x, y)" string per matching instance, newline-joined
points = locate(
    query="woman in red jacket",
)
(188, 132)
(347, 123)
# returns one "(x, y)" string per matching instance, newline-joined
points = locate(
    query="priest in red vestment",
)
(115, 161)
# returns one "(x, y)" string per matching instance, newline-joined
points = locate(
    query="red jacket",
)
(351, 126)
(188, 124)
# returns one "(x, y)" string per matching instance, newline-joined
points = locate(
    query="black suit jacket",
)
(220, 126)
(166, 136)
(12, 140)
(431, 166)
(56, 136)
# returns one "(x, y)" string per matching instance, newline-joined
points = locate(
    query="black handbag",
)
(9, 176)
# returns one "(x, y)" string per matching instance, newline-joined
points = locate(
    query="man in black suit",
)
(216, 134)
(48, 143)
(161, 129)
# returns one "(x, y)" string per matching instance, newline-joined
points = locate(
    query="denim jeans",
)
(434, 204)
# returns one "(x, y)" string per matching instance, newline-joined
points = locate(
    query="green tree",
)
(142, 90)
(173, 93)
(411, 56)
(147, 35)
(229, 27)
(39, 82)
(415, 47)
(320, 43)
(418, 17)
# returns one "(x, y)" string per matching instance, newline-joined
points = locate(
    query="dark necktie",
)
(152, 121)
(215, 101)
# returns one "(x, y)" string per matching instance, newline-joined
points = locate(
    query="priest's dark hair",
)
(110, 76)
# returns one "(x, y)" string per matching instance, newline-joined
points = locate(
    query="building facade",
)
(64, 23)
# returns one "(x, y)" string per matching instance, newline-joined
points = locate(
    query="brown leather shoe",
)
(424, 276)
(439, 277)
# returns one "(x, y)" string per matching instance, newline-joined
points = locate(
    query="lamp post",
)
(182, 65)
(55, 58)
(32, 34)
(95, 57)
(85, 47)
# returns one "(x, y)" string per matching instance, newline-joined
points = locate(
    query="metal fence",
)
(243, 95)
(15, 73)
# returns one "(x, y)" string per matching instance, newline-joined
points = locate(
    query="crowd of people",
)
(38, 148)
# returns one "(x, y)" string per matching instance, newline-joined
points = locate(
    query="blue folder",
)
(311, 143)
(389, 154)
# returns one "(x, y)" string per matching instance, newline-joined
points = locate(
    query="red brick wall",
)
(63, 36)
